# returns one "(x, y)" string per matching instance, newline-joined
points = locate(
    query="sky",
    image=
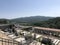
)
(24, 8)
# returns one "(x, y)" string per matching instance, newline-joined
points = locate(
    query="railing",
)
(8, 42)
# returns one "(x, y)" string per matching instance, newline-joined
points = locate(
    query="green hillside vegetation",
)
(41, 21)
(31, 19)
(51, 23)
(25, 20)
(4, 21)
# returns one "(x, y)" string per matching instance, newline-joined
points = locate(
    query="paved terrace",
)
(42, 28)
(48, 29)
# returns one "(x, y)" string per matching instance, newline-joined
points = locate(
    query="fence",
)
(8, 42)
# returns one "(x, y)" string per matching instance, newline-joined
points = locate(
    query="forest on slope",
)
(51, 23)
(4, 21)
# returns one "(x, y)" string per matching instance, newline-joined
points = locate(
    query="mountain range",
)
(31, 19)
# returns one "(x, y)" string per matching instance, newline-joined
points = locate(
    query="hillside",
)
(31, 19)
(41, 21)
(4, 21)
(51, 23)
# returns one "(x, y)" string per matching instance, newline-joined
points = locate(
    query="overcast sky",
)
(22, 8)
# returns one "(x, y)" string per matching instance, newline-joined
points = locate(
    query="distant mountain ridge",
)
(31, 19)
